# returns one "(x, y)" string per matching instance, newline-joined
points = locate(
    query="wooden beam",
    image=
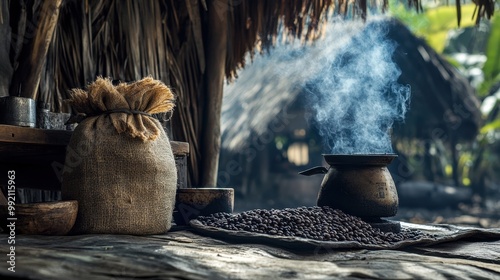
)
(215, 54)
(26, 77)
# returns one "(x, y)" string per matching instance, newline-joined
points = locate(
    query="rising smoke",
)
(355, 94)
(350, 82)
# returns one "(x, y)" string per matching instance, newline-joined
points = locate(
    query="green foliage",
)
(494, 125)
(416, 22)
(281, 142)
(491, 68)
(442, 20)
(477, 160)
(432, 25)
(464, 164)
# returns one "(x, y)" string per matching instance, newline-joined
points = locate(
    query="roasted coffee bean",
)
(319, 223)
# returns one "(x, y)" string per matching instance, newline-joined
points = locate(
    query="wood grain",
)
(26, 135)
(182, 254)
(216, 61)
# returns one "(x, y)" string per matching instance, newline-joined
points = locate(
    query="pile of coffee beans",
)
(319, 223)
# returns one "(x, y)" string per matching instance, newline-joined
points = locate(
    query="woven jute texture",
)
(119, 165)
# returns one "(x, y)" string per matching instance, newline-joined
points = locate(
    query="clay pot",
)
(359, 185)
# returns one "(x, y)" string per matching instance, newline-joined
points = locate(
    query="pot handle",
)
(314, 171)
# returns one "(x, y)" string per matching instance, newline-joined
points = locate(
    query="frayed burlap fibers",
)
(119, 162)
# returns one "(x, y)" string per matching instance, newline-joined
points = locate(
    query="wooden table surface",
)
(181, 254)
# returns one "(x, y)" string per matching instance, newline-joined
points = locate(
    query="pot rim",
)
(359, 159)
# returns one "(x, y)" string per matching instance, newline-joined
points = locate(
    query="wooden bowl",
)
(44, 218)
(193, 202)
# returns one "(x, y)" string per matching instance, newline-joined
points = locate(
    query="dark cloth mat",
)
(441, 233)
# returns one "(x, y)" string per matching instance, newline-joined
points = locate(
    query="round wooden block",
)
(180, 148)
(193, 202)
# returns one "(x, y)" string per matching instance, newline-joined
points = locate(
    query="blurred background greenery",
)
(475, 51)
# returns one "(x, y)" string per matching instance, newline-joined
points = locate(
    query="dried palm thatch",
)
(108, 38)
(253, 23)
(168, 40)
(123, 40)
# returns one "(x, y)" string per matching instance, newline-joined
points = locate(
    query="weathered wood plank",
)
(480, 251)
(185, 255)
(26, 135)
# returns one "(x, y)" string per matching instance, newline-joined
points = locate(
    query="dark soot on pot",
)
(319, 223)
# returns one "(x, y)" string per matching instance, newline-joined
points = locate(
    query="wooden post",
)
(26, 77)
(215, 53)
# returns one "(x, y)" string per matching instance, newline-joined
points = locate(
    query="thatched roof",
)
(259, 95)
(169, 40)
(442, 97)
(128, 39)
(438, 90)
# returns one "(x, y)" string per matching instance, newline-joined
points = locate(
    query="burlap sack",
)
(119, 163)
